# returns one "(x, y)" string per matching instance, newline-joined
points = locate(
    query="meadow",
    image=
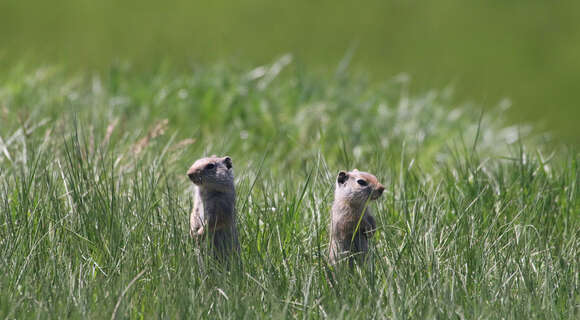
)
(479, 220)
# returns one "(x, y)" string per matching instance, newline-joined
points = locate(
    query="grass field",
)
(478, 220)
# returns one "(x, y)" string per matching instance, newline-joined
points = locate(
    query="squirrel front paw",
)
(196, 233)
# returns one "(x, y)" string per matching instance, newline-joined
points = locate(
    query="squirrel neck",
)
(228, 189)
(345, 207)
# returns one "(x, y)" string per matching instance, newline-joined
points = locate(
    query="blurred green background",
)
(527, 51)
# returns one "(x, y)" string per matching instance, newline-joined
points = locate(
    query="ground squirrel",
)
(214, 213)
(349, 233)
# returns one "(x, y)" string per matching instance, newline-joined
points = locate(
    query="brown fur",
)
(352, 222)
(214, 212)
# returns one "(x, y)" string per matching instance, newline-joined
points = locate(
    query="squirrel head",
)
(357, 187)
(215, 173)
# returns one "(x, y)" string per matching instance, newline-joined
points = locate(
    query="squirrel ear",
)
(228, 162)
(342, 177)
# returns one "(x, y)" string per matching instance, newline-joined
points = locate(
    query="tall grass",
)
(478, 220)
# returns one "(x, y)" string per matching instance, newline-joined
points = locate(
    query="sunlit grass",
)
(478, 220)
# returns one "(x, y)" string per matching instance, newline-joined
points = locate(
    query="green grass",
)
(478, 220)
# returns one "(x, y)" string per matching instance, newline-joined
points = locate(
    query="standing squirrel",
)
(214, 212)
(352, 223)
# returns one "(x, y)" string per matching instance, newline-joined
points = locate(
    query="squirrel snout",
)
(194, 176)
(380, 189)
(377, 192)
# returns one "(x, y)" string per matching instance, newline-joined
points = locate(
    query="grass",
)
(478, 220)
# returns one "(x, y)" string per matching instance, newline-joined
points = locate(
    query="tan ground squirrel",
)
(214, 210)
(349, 233)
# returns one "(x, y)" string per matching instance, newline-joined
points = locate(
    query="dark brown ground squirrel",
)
(213, 218)
(352, 222)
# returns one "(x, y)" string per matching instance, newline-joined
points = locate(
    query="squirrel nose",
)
(380, 189)
(193, 175)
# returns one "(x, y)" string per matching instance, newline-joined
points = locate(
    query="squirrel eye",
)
(210, 166)
(362, 182)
